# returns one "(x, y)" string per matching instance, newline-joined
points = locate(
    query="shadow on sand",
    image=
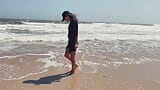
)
(47, 80)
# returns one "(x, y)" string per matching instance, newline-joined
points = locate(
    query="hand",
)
(76, 45)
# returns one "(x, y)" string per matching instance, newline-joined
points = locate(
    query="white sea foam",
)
(102, 45)
(126, 61)
(57, 32)
(9, 70)
(15, 56)
(50, 61)
(92, 64)
(21, 77)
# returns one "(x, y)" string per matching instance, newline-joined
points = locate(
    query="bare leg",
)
(74, 65)
(67, 54)
(71, 57)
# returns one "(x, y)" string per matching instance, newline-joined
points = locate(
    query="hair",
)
(72, 16)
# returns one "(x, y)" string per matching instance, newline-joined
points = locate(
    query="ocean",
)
(28, 48)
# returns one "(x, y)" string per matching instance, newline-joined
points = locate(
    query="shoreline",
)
(127, 77)
(110, 57)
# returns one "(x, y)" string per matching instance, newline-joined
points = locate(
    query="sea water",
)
(31, 47)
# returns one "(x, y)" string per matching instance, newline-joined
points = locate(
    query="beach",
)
(110, 57)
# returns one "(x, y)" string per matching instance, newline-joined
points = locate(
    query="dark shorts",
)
(71, 49)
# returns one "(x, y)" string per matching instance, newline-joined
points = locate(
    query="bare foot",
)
(74, 69)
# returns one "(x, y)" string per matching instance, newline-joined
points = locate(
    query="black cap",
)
(64, 14)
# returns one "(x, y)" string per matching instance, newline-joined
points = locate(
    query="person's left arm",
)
(73, 39)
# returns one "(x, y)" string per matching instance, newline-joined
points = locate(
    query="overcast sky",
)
(128, 11)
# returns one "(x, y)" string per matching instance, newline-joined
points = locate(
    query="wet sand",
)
(127, 77)
(110, 57)
(103, 65)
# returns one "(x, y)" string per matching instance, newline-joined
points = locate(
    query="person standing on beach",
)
(70, 52)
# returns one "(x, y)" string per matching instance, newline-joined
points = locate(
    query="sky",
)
(122, 11)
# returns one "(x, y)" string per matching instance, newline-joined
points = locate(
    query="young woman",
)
(70, 52)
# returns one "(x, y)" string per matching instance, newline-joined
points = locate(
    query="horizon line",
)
(51, 20)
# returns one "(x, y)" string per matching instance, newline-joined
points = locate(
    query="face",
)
(67, 19)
